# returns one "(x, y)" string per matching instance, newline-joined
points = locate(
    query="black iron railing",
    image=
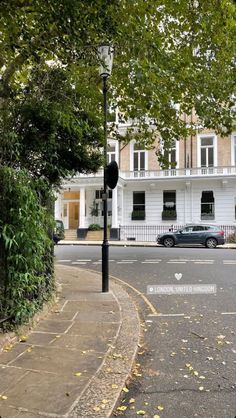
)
(147, 233)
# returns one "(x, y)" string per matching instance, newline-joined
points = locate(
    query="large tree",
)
(171, 57)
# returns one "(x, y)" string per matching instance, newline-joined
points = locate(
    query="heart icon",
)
(178, 276)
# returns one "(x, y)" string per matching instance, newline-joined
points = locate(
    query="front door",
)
(73, 215)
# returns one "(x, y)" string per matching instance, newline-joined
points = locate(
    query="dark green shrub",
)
(169, 214)
(138, 215)
(94, 227)
(26, 248)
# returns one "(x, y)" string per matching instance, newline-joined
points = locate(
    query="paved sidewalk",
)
(77, 359)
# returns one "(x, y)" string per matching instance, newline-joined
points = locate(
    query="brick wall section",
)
(153, 163)
(124, 157)
(223, 144)
(224, 151)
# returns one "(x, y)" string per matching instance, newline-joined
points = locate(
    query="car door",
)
(198, 234)
(185, 235)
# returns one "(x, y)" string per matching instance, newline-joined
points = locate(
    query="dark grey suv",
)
(208, 235)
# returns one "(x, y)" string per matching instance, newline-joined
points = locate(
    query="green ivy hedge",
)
(26, 249)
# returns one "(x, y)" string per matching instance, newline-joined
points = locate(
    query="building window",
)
(111, 153)
(169, 205)
(138, 213)
(207, 152)
(139, 158)
(170, 156)
(207, 205)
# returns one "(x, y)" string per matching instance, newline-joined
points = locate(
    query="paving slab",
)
(68, 362)
(50, 393)
(82, 344)
(10, 375)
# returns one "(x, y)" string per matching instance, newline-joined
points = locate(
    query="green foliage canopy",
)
(167, 54)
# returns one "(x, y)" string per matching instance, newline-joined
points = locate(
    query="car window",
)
(198, 228)
(210, 227)
(187, 229)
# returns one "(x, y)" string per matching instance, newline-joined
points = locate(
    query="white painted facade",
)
(211, 175)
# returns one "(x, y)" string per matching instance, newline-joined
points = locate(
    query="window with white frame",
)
(139, 158)
(138, 213)
(169, 205)
(170, 155)
(207, 152)
(111, 153)
(207, 205)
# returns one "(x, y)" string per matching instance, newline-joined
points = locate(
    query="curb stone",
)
(99, 398)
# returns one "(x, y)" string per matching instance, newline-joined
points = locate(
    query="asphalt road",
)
(187, 362)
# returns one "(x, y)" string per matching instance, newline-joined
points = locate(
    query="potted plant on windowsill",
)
(169, 214)
(138, 215)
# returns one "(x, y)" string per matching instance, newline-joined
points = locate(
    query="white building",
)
(199, 187)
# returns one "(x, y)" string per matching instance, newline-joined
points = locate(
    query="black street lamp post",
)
(105, 53)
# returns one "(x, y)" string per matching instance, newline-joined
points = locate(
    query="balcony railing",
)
(180, 172)
(170, 173)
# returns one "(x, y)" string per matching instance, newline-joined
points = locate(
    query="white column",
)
(114, 209)
(58, 208)
(82, 208)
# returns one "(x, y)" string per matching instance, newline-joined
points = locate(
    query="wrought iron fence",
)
(147, 233)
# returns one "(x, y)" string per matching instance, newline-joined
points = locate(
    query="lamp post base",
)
(105, 266)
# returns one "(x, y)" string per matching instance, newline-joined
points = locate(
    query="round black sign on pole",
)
(112, 174)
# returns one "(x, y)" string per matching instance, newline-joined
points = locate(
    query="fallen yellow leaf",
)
(126, 390)
(78, 374)
(96, 408)
(156, 416)
(160, 408)
(132, 400)
(23, 338)
(4, 397)
(114, 386)
(122, 408)
(141, 412)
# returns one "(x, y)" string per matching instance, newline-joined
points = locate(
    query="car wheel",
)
(168, 242)
(211, 243)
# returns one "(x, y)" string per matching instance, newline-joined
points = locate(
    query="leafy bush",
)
(232, 238)
(94, 227)
(26, 248)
